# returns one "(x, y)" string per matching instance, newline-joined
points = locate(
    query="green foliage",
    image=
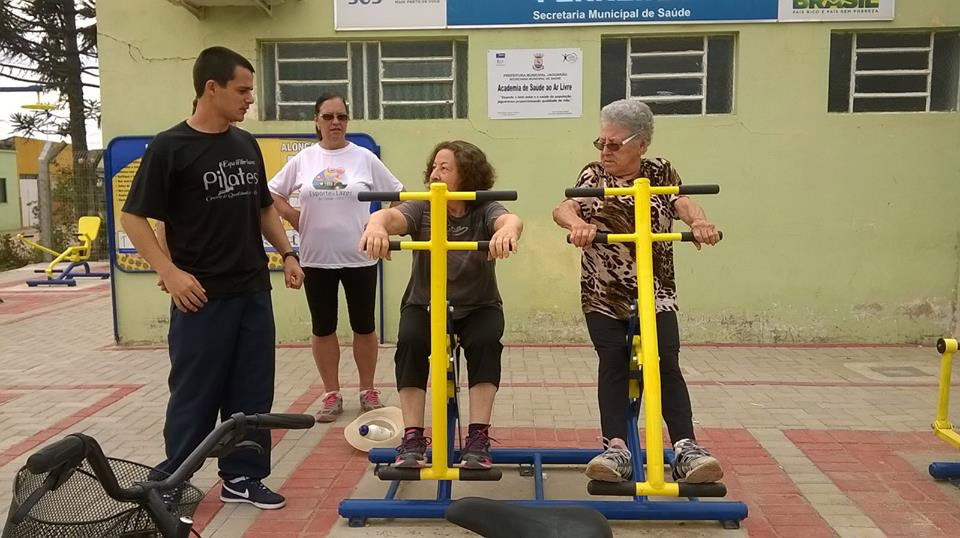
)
(13, 254)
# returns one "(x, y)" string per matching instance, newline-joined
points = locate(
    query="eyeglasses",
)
(613, 146)
(329, 117)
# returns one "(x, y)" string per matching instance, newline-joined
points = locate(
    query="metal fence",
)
(73, 193)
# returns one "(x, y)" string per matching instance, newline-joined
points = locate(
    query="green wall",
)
(838, 227)
(10, 211)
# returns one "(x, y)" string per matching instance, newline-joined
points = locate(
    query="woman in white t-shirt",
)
(327, 177)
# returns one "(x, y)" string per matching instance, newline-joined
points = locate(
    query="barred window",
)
(381, 79)
(894, 72)
(674, 75)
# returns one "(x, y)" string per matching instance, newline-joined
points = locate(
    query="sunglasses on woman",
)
(613, 146)
(329, 117)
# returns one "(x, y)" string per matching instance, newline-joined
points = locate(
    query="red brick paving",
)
(44, 435)
(869, 468)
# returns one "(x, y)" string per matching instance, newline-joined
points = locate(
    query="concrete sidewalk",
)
(817, 441)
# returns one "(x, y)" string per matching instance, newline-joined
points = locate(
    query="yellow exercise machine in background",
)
(941, 425)
(76, 255)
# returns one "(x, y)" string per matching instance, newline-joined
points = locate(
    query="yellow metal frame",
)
(440, 387)
(646, 354)
(87, 230)
(942, 426)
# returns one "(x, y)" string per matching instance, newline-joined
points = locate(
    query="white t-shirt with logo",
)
(331, 217)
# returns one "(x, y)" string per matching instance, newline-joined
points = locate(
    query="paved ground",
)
(817, 441)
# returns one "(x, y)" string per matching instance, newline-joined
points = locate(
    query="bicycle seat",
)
(497, 519)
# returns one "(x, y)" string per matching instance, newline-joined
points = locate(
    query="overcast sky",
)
(11, 102)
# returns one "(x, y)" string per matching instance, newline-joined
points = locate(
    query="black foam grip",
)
(620, 489)
(48, 458)
(479, 475)
(601, 237)
(714, 489)
(583, 192)
(282, 421)
(699, 189)
(481, 245)
(378, 196)
(688, 236)
(503, 196)
(398, 473)
(941, 345)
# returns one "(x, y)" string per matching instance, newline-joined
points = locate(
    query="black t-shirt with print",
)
(208, 189)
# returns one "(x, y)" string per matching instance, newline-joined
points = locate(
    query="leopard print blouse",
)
(608, 282)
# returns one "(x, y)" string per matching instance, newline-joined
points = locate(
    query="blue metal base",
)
(66, 276)
(357, 511)
(945, 471)
(723, 511)
(522, 456)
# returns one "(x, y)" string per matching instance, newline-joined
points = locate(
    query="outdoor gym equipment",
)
(77, 255)
(941, 425)
(644, 357)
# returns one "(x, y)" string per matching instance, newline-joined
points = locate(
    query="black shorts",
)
(359, 286)
(479, 332)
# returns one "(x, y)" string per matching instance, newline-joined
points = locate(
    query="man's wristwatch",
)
(290, 254)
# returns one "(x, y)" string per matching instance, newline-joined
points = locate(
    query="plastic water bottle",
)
(375, 432)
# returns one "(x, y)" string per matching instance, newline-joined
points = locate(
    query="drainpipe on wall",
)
(47, 154)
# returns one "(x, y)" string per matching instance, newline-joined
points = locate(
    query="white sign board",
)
(836, 10)
(534, 83)
(389, 14)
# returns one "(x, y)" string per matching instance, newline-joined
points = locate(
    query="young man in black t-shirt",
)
(205, 180)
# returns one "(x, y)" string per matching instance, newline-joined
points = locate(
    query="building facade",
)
(836, 141)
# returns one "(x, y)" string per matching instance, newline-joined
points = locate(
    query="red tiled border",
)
(22, 306)
(333, 470)
(118, 393)
(868, 468)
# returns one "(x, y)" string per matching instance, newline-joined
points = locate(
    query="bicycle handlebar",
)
(73, 449)
(281, 421)
(70, 448)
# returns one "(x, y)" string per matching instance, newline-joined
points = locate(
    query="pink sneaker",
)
(332, 407)
(370, 400)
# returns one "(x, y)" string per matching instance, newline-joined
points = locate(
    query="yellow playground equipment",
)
(76, 255)
(941, 425)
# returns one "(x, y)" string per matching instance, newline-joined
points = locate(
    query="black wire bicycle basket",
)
(80, 507)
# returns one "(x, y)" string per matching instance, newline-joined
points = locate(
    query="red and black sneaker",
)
(412, 452)
(476, 450)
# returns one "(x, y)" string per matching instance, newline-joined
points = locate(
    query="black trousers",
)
(222, 361)
(322, 286)
(479, 332)
(609, 338)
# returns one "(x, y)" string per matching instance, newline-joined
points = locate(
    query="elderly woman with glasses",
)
(608, 288)
(325, 178)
